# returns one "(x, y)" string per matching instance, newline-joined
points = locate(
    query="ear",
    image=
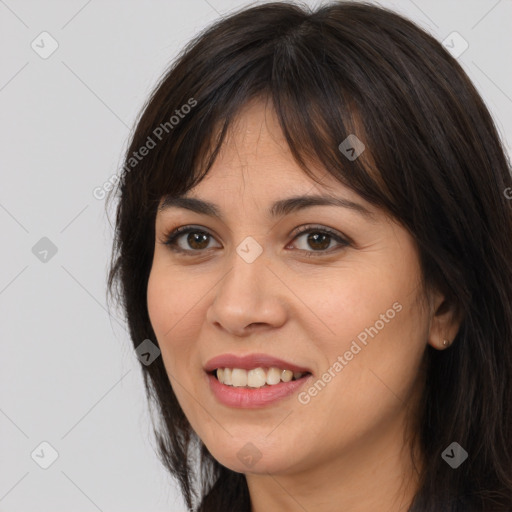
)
(445, 320)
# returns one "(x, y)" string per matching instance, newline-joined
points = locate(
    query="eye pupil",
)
(194, 237)
(315, 236)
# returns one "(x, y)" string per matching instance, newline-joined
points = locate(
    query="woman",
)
(313, 228)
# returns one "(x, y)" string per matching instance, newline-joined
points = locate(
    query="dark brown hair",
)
(437, 166)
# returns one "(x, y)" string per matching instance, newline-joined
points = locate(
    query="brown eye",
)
(320, 239)
(195, 241)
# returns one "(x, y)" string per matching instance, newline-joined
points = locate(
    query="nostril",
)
(256, 324)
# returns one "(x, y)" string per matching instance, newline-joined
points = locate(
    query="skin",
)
(345, 449)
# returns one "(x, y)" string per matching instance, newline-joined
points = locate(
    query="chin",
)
(262, 466)
(249, 455)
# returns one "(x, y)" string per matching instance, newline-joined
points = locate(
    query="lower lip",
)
(243, 397)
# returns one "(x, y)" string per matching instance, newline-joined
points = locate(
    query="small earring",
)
(446, 343)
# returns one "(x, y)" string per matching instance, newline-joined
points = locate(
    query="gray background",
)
(68, 373)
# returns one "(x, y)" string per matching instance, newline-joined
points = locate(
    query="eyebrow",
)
(278, 209)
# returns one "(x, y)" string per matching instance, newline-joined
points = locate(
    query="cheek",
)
(379, 330)
(160, 302)
(349, 305)
(170, 300)
(371, 387)
(166, 307)
(175, 309)
(171, 318)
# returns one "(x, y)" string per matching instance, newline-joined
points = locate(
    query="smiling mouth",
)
(257, 377)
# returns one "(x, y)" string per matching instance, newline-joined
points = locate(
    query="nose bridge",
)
(248, 272)
(247, 293)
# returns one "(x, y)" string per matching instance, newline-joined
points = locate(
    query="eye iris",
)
(315, 236)
(194, 237)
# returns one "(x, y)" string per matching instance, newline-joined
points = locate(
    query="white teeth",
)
(227, 377)
(273, 376)
(286, 375)
(239, 377)
(257, 377)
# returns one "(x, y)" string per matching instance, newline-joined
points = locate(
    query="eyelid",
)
(343, 241)
(173, 234)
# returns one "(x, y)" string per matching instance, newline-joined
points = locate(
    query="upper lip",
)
(251, 361)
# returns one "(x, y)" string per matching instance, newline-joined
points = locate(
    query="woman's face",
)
(245, 284)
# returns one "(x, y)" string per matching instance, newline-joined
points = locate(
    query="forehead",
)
(255, 161)
(255, 154)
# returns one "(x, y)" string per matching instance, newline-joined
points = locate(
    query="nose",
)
(250, 297)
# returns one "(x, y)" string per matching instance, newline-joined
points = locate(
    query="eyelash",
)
(171, 238)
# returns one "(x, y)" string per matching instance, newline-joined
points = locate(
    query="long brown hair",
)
(437, 166)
